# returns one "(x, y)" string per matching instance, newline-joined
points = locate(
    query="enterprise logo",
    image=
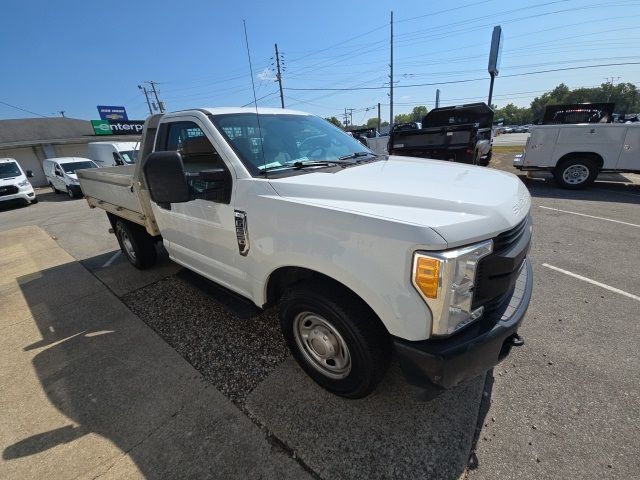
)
(117, 127)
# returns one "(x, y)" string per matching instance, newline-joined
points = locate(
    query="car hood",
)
(462, 203)
(12, 180)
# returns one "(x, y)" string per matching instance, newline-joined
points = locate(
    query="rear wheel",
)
(336, 339)
(137, 245)
(575, 173)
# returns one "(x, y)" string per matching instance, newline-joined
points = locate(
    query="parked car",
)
(364, 254)
(61, 174)
(14, 183)
(462, 133)
(109, 154)
(575, 153)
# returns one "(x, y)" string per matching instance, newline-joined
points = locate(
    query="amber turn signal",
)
(427, 276)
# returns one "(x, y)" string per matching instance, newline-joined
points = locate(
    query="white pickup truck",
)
(365, 254)
(576, 151)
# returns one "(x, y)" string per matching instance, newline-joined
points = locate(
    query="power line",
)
(468, 79)
(23, 109)
(258, 99)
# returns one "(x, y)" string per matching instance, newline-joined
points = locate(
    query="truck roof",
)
(268, 111)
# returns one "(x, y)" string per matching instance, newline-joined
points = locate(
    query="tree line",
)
(625, 95)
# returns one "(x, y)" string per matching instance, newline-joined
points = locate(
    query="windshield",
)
(287, 141)
(71, 167)
(9, 169)
(129, 156)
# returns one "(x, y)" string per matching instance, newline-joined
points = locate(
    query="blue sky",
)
(74, 55)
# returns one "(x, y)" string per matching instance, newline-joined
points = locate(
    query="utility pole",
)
(391, 77)
(379, 117)
(437, 97)
(61, 112)
(611, 81)
(155, 94)
(350, 115)
(146, 96)
(279, 76)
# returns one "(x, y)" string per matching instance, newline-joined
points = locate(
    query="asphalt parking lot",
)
(563, 406)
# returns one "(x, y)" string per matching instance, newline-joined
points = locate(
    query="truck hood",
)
(462, 203)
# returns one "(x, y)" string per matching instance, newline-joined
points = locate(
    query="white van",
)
(109, 154)
(61, 174)
(14, 183)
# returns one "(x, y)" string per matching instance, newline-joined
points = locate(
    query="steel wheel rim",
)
(575, 174)
(322, 345)
(128, 246)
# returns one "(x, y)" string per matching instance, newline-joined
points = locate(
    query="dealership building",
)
(31, 140)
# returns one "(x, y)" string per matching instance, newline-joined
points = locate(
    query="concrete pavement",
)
(87, 389)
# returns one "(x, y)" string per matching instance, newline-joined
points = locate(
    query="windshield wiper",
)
(315, 163)
(356, 155)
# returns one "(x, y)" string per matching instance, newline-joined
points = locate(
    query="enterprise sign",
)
(117, 127)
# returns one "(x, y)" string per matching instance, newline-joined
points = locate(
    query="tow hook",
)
(516, 340)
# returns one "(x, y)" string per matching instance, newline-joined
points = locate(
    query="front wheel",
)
(575, 173)
(70, 193)
(137, 245)
(336, 339)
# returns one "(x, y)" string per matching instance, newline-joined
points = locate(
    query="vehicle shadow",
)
(485, 406)
(601, 191)
(119, 387)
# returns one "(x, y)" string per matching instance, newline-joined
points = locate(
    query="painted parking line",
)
(591, 216)
(593, 282)
(112, 259)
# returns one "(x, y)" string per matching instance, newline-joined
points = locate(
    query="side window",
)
(193, 145)
(207, 174)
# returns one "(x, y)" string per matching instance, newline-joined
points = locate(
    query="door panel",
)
(630, 153)
(200, 233)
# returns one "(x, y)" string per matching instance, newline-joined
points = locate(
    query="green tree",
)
(403, 118)
(335, 121)
(418, 113)
(372, 123)
(555, 96)
(513, 115)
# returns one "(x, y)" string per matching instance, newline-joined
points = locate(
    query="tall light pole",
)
(391, 77)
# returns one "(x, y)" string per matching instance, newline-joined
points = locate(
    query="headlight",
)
(23, 183)
(74, 181)
(445, 281)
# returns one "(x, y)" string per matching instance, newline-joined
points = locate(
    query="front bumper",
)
(26, 195)
(75, 189)
(518, 160)
(448, 362)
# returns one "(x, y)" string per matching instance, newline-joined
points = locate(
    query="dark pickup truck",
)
(461, 134)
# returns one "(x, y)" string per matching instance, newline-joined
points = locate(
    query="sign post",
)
(495, 56)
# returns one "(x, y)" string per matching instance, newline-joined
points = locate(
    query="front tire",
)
(137, 245)
(575, 173)
(336, 338)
